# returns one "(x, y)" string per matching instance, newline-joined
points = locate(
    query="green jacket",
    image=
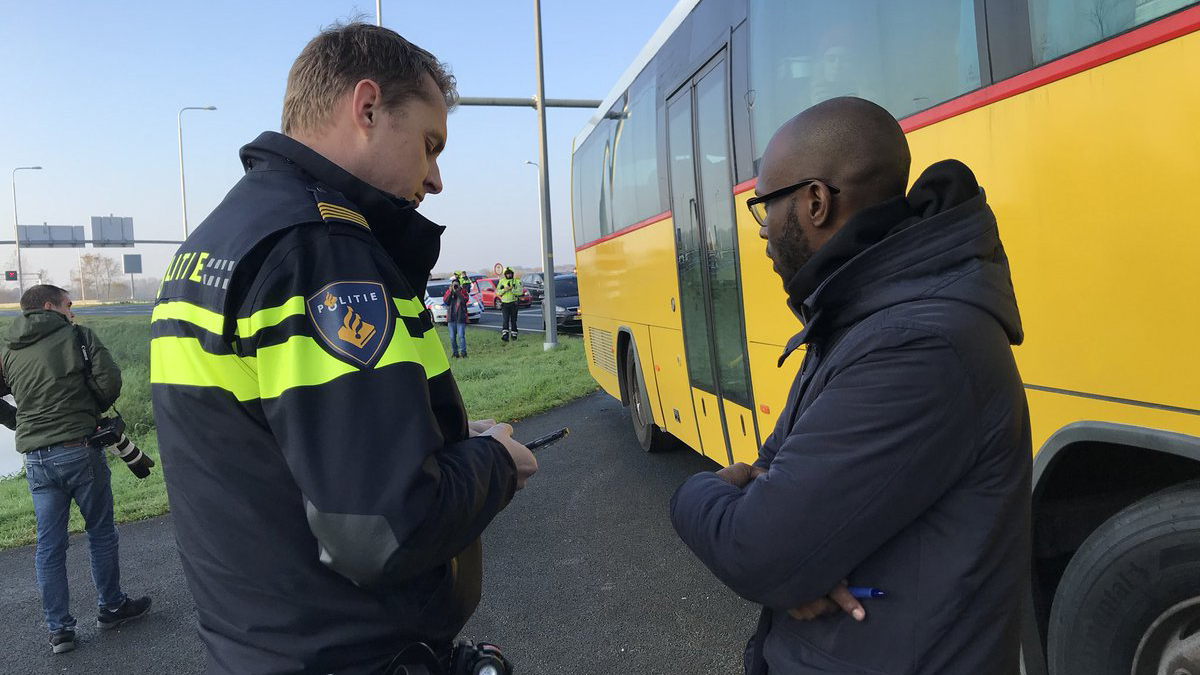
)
(509, 290)
(44, 370)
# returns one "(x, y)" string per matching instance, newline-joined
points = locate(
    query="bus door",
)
(698, 142)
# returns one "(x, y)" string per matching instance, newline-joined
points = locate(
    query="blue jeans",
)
(458, 337)
(57, 475)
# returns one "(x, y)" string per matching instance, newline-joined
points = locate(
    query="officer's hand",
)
(479, 426)
(739, 475)
(521, 455)
(838, 598)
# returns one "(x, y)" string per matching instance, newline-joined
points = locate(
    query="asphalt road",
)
(528, 320)
(584, 574)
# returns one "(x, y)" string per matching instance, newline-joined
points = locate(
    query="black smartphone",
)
(548, 439)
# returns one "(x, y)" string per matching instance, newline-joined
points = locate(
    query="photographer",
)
(456, 299)
(45, 365)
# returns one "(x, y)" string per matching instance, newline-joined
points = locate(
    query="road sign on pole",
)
(498, 269)
(112, 231)
(133, 265)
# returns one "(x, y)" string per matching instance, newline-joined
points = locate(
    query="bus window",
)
(1062, 26)
(905, 56)
(590, 167)
(635, 161)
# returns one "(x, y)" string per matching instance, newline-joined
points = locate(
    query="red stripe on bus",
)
(626, 230)
(1136, 40)
(745, 185)
(1156, 33)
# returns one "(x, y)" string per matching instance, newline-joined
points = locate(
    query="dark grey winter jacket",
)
(902, 460)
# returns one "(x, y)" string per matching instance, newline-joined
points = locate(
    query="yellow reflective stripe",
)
(265, 318)
(182, 361)
(334, 211)
(432, 354)
(180, 310)
(301, 362)
(411, 307)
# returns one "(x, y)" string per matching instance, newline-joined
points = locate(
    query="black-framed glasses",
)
(758, 205)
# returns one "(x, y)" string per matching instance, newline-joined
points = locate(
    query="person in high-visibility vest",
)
(509, 290)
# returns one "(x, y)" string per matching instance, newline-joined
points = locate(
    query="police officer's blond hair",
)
(343, 55)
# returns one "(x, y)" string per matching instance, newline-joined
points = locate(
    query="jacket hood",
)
(946, 247)
(411, 239)
(34, 325)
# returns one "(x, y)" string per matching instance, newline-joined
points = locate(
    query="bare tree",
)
(100, 273)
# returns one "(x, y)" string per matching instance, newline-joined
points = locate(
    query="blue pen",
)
(866, 592)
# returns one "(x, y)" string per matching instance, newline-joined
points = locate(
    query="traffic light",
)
(10, 275)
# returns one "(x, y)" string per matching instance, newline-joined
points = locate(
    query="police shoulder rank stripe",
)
(354, 319)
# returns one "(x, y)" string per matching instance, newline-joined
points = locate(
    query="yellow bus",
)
(1081, 119)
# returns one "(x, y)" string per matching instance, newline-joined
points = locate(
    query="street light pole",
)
(378, 12)
(549, 313)
(182, 185)
(17, 225)
(551, 340)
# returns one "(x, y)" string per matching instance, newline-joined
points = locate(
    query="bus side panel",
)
(645, 350)
(1089, 178)
(742, 442)
(768, 318)
(771, 382)
(1050, 412)
(675, 393)
(600, 349)
(631, 277)
(708, 422)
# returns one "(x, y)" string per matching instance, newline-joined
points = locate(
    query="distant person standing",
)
(456, 299)
(509, 290)
(58, 407)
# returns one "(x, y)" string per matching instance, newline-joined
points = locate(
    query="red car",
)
(486, 290)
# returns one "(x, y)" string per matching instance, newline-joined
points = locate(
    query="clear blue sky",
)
(91, 92)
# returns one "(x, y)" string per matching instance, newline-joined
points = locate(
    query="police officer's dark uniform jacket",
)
(327, 500)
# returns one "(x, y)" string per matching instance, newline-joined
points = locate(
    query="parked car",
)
(487, 293)
(535, 284)
(436, 290)
(566, 302)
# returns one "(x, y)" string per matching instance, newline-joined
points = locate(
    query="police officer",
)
(327, 489)
(510, 290)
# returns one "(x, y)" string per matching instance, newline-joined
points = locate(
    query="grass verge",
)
(498, 381)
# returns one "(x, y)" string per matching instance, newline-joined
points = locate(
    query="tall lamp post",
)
(182, 186)
(549, 312)
(17, 225)
(551, 340)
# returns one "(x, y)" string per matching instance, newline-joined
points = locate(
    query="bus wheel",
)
(650, 437)
(1128, 600)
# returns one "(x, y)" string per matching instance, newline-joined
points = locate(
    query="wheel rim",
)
(635, 395)
(1171, 645)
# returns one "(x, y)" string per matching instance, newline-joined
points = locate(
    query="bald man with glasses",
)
(884, 527)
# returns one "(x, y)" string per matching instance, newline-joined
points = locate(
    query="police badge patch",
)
(354, 318)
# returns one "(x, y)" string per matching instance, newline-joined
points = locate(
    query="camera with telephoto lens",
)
(110, 434)
(469, 658)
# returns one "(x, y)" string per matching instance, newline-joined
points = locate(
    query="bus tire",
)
(649, 436)
(1127, 584)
